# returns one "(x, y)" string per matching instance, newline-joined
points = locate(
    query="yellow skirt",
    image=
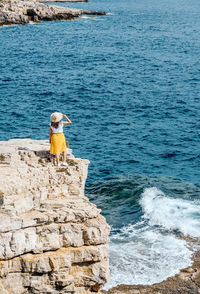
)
(58, 143)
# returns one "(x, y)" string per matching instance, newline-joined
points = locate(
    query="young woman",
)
(56, 136)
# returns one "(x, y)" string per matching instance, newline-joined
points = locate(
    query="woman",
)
(56, 136)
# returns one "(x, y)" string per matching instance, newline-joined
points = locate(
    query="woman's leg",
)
(64, 156)
(57, 158)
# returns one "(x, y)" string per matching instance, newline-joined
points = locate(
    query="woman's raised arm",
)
(68, 122)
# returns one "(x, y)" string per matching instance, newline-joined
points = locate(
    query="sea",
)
(130, 83)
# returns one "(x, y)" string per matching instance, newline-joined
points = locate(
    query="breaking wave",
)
(150, 218)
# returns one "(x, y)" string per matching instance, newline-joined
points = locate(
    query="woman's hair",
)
(55, 124)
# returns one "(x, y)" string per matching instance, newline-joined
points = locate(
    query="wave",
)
(129, 199)
(171, 214)
(148, 214)
(142, 255)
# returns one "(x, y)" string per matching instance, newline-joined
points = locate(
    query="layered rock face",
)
(52, 239)
(24, 11)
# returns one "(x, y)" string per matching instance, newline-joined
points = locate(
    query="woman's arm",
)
(50, 134)
(68, 122)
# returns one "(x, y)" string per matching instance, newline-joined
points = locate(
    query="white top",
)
(59, 128)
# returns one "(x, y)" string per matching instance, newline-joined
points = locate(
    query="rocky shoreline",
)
(24, 12)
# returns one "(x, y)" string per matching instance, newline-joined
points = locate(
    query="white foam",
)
(149, 252)
(85, 17)
(92, 17)
(141, 255)
(34, 23)
(8, 26)
(170, 213)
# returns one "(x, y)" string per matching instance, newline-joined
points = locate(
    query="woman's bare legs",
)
(64, 156)
(57, 158)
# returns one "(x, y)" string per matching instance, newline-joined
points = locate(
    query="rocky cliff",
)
(52, 239)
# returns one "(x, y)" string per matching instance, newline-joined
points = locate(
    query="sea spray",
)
(150, 216)
(171, 213)
(142, 255)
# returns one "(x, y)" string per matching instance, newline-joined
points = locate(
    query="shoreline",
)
(187, 281)
(23, 12)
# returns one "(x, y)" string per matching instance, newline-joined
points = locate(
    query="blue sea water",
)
(130, 83)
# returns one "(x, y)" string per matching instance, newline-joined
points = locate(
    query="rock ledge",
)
(52, 239)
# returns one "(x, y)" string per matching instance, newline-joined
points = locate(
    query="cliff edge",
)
(52, 239)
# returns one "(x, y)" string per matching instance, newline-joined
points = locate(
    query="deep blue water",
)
(130, 83)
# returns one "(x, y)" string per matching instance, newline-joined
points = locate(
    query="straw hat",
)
(56, 117)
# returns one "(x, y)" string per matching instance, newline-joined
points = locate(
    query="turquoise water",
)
(129, 81)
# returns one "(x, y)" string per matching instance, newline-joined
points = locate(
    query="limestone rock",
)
(52, 239)
(24, 11)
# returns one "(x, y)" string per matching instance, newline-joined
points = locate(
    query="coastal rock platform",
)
(24, 12)
(52, 239)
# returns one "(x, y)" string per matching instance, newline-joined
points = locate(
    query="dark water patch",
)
(169, 155)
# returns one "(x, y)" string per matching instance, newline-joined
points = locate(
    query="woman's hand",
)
(68, 120)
